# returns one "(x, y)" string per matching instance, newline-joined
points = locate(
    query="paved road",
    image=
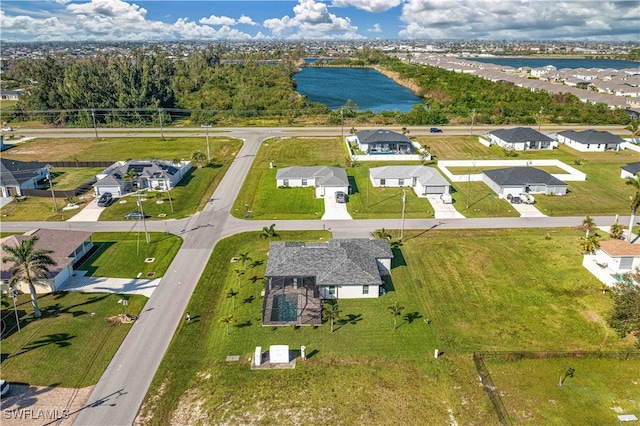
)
(120, 391)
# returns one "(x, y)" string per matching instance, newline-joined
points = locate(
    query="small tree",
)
(634, 128)
(29, 264)
(199, 158)
(616, 230)
(269, 232)
(244, 258)
(381, 234)
(587, 225)
(130, 176)
(625, 315)
(635, 200)
(590, 244)
(331, 312)
(227, 320)
(564, 373)
(231, 294)
(396, 311)
(239, 273)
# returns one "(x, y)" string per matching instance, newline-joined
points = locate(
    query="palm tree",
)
(616, 230)
(588, 224)
(239, 273)
(634, 128)
(231, 294)
(29, 263)
(331, 312)
(199, 157)
(635, 200)
(590, 244)
(244, 258)
(396, 310)
(227, 320)
(269, 232)
(130, 176)
(381, 234)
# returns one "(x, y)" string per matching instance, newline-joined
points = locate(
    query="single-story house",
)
(383, 142)
(150, 174)
(10, 95)
(517, 180)
(18, 175)
(68, 247)
(520, 139)
(424, 180)
(326, 180)
(590, 140)
(618, 256)
(347, 269)
(630, 170)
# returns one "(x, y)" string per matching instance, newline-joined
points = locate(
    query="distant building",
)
(520, 139)
(590, 140)
(517, 180)
(151, 174)
(18, 175)
(383, 142)
(424, 180)
(10, 95)
(325, 180)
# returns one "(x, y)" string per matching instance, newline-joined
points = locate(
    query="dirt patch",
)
(37, 405)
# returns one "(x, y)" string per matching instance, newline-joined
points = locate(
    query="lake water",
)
(367, 88)
(559, 63)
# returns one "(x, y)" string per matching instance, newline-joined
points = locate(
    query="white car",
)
(4, 387)
(7, 129)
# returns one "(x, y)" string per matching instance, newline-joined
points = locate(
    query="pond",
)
(367, 88)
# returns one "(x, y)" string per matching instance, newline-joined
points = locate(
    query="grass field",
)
(68, 178)
(462, 291)
(39, 209)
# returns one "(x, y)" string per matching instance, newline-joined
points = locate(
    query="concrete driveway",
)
(527, 210)
(80, 283)
(442, 210)
(334, 210)
(90, 213)
(5, 200)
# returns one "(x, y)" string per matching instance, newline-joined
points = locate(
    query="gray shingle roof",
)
(336, 262)
(427, 176)
(13, 172)
(325, 175)
(633, 168)
(591, 136)
(522, 176)
(521, 134)
(381, 135)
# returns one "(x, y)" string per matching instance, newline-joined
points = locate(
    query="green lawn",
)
(71, 345)
(463, 291)
(68, 178)
(259, 192)
(39, 209)
(123, 255)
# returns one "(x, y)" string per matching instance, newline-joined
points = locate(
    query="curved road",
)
(118, 395)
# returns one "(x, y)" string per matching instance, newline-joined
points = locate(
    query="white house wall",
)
(349, 292)
(612, 264)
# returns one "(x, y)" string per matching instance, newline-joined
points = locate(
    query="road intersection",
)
(119, 393)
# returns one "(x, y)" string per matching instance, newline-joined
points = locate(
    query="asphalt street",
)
(118, 395)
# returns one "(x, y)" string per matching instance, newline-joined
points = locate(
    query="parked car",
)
(4, 387)
(105, 199)
(516, 200)
(527, 198)
(7, 129)
(435, 130)
(341, 197)
(134, 216)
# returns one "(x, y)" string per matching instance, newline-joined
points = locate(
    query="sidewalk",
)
(90, 213)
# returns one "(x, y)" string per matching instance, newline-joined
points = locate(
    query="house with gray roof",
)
(424, 180)
(383, 141)
(630, 170)
(18, 175)
(152, 174)
(590, 140)
(325, 180)
(520, 139)
(67, 247)
(517, 180)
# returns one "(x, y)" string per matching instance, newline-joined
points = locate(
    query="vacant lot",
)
(462, 291)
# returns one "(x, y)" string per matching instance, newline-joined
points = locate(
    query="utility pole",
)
(161, 129)
(404, 202)
(144, 223)
(473, 119)
(53, 194)
(206, 129)
(168, 184)
(342, 123)
(540, 118)
(95, 127)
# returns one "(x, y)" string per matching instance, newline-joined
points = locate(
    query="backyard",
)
(462, 291)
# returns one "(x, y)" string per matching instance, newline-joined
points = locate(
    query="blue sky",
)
(66, 20)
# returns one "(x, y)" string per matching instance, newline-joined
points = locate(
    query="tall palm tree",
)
(269, 231)
(588, 225)
(244, 258)
(130, 176)
(396, 310)
(331, 312)
(231, 294)
(635, 200)
(199, 157)
(634, 128)
(227, 320)
(239, 273)
(29, 264)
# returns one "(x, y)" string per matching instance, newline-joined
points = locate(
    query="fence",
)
(81, 189)
(79, 164)
(492, 390)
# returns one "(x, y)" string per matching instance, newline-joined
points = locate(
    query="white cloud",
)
(109, 9)
(368, 5)
(218, 20)
(312, 20)
(536, 20)
(246, 20)
(375, 29)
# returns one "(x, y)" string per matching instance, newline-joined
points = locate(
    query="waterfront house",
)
(383, 142)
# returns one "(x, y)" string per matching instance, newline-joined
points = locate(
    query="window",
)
(400, 181)
(365, 289)
(285, 182)
(332, 290)
(304, 182)
(383, 182)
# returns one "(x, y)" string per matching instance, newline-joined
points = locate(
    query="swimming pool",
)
(285, 308)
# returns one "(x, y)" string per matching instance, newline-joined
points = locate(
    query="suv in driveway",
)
(341, 197)
(105, 199)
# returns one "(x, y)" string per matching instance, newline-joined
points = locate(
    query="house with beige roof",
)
(67, 247)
